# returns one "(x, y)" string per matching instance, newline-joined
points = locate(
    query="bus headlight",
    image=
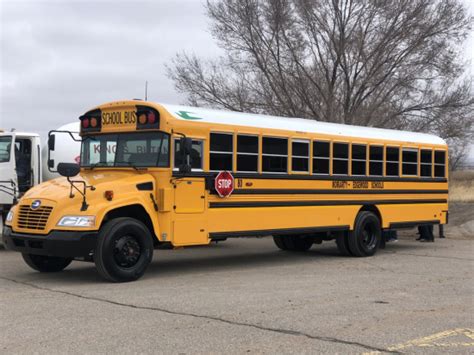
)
(9, 216)
(77, 221)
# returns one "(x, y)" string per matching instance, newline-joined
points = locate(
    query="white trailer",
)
(24, 164)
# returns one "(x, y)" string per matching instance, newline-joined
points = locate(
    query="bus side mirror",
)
(68, 169)
(51, 141)
(186, 145)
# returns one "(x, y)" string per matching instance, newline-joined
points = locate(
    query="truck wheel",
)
(124, 250)
(342, 243)
(46, 263)
(364, 240)
(280, 242)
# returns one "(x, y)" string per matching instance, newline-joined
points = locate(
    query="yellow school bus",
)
(155, 175)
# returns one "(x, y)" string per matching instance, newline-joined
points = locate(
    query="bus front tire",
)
(365, 239)
(124, 250)
(44, 263)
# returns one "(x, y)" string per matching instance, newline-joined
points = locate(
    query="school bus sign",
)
(224, 184)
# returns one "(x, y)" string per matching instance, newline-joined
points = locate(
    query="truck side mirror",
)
(51, 141)
(186, 145)
(68, 169)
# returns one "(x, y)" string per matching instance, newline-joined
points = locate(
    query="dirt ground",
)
(460, 226)
(461, 186)
(461, 205)
(461, 221)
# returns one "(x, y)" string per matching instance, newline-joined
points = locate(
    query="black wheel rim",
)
(127, 251)
(369, 237)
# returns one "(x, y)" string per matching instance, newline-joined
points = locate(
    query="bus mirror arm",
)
(52, 145)
(83, 193)
(186, 145)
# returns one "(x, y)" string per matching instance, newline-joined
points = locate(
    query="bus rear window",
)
(440, 163)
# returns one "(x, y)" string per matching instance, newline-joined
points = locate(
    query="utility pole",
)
(146, 90)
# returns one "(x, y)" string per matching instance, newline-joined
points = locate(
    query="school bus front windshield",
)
(139, 149)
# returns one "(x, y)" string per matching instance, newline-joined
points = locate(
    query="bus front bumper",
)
(66, 244)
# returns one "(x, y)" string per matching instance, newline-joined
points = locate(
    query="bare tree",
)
(393, 64)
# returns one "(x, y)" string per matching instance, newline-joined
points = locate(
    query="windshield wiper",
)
(104, 164)
(95, 165)
(129, 164)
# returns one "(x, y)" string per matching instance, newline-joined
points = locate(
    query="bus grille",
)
(33, 219)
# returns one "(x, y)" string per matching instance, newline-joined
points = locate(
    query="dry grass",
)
(461, 186)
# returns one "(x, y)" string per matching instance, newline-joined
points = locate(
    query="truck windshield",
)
(141, 149)
(5, 148)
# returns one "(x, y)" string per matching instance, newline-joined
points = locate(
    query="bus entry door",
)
(190, 224)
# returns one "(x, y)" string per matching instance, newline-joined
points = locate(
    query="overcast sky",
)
(59, 58)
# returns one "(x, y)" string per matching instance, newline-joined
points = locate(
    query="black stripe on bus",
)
(246, 204)
(309, 177)
(264, 232)
(329, 191)
(400, 225)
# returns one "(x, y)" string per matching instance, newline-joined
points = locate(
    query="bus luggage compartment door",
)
(190, 225)
(189, 196)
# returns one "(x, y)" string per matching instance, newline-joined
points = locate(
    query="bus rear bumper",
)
(65, 244)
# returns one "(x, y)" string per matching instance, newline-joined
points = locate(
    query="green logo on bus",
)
(187, 115)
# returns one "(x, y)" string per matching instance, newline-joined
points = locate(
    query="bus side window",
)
(221, 151)
(247, 153)
(359, 159)
(195, 157)
(320, 157)
(274, 155)
(376, 160)
(440, 163)
(426, 163)
(340, 160)
(409, 161)
(300, 156)
(391, 161)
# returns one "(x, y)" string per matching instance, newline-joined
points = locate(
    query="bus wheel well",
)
(133, 211)
(373, 209)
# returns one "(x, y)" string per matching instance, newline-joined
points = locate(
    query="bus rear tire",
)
(365, 239)
(280, 242)
(293, 242)
(44, 263)
(124, 250)
(342, 242)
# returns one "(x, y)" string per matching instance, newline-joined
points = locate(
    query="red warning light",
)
(85, 123)
(93, 122)
(151, 117)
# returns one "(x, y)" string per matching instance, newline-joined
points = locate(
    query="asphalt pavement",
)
(246, 296)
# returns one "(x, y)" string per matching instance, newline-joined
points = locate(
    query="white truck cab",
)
(20, 166)
(24, 164)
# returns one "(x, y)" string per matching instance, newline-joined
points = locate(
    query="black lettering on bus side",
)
(377, 184)
(360, 184)
(339, 184)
